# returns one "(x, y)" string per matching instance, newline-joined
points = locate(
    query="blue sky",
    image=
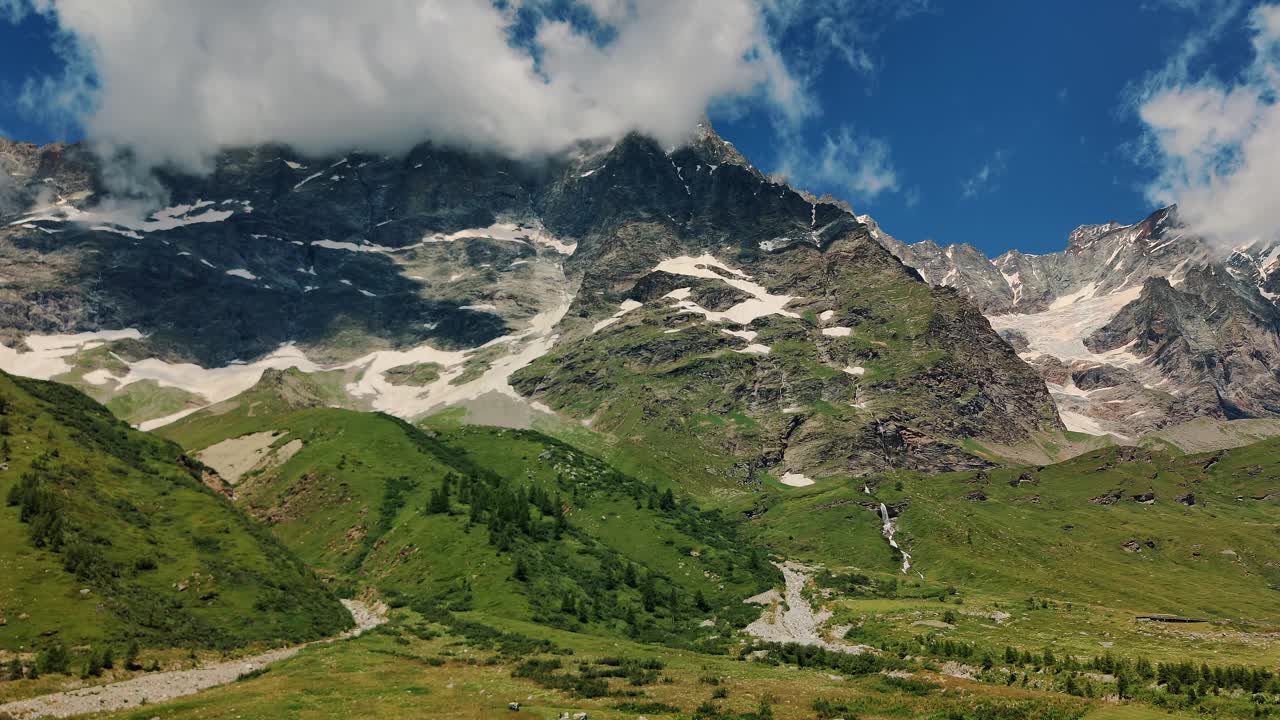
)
(1039, 93)
(26, 51)
(1001, 124)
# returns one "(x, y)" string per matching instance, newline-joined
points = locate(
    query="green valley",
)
(519, 568)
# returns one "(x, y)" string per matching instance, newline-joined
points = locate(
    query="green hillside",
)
(1072, 553)
(504, 522)
(108, 535)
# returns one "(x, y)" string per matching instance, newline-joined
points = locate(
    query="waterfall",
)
(888, 529)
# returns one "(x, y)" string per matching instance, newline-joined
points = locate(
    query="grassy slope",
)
(125, 501)
(340, 504)
(1213, 560)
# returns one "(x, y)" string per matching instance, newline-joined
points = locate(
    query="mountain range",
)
(476, 265)
(622, 285)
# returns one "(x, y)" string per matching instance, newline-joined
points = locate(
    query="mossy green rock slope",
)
(110, 535)
(781, 340)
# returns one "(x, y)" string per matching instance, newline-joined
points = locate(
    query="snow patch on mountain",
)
(705, 266)
(407, 401)
(351, 247)
(1060, 331)
(525, 233)
(48, 354)
(45, 358)
(129, 218)
(747, 335)
(626, 307)
(795, 479)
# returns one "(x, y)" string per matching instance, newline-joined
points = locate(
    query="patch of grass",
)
(385, 679)
(416, 374)
(147, 399)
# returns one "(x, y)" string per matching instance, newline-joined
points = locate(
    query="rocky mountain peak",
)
(715, 150)
(1085, 235)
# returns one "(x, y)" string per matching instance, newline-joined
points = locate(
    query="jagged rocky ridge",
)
(679, 286)
(1134, 327)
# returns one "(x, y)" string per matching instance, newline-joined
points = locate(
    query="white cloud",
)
(912, 196)
(984, 180)
(847, 29)
(608, 11)
(178, 79)
(60, 101)
(849, 49)
(1211, 20)
(860, 166)
(1217, 144)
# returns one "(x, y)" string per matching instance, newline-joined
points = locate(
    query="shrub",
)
(829, 709)
(54, 659)
(911, 686)
(640, 708)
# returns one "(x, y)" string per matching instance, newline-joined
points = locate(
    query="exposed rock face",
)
(260, 253)
(694, 287)
(1224, 349)
(32, 174)
(1134, 327)
(1098, 260)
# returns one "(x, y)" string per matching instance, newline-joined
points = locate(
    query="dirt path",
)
(797, 622)
(158, 687)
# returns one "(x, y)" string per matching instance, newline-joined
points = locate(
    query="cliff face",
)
(1219, 345)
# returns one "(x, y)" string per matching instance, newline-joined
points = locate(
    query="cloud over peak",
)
(1216, 144)
(174, 80)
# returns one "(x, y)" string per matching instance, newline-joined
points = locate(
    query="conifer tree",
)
(668, 501)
